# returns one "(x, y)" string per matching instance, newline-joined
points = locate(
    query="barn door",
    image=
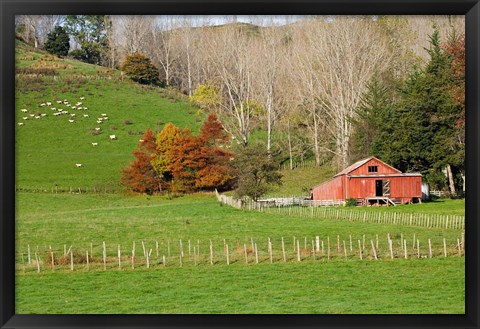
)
(386, 188)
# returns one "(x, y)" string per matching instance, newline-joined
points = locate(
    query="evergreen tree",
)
(372, 121)
(58, 42)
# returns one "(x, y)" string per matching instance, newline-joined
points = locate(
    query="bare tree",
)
(234, 71)
(345, 52)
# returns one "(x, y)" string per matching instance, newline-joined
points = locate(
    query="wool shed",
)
(371, 181)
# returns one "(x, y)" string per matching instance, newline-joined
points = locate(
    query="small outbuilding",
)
(371, 182)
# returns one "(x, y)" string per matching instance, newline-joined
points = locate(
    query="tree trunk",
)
(289, 145)
(450, 178)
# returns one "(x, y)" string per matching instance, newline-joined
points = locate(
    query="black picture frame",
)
(10, 8)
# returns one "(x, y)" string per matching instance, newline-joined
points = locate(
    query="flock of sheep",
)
(59, 111)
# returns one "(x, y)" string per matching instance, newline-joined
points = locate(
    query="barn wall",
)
(331, 190)
(382, 168)
(406, 187)
(360, 188)
(400, 187)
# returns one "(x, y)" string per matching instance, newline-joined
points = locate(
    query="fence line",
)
(113, 256)
(355, 215)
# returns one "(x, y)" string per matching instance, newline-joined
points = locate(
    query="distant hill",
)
(49, 145)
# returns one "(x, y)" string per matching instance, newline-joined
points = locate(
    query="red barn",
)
(371, 181)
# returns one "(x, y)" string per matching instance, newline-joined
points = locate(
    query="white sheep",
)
(79, 108)
(49, 103)
(82, 98)
(74, 107)
(43, 114)
(72, 114)
(53, 108)
(78, 165)
(20, 123)
(59, 102)
(99, 121)
(97, 129)
(79, 103)
(25, 118)
(113, 137)
(43, 104)
(24, 110)
(105, 118)
(71, 121)
(37, 117)
(104, 114)
(141, 140)
(85, 115)
(95, 144)
(32, 115)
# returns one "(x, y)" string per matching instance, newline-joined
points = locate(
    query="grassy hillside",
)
(48, 148)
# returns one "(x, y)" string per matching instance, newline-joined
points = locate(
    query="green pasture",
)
(337, 285)
(48, 148)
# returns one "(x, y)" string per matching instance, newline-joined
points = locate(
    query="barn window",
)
(372, 168)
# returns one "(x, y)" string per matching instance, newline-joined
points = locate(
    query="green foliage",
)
(256, 171)
(372, 121)
(89, 33)
(139, 68)
(58, 42)
(351, 202)
(421, 129)
(206, 96)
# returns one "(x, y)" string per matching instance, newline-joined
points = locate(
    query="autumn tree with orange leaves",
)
(178, 161)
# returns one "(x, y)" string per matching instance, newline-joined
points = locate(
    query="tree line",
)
(311, 87)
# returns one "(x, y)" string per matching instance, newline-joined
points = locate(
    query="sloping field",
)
(49, 147)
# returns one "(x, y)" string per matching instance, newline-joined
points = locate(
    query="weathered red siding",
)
(382, 169)
(331, 190)
(400, 186)
(357, 182)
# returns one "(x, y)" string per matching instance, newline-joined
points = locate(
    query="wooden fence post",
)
(256, 253)
(71, 260)
(328, 248)
(418, 248)
(228, 257)
(298, 251)
(344, 249)
(405, 248)
(211, 253)
(360, 249)
(374, 251)
(119, 258)
(391, 248)
(430, 248)
(133, 256)
(37, 260)
(104, 256)
(444, 247)
(245, 251)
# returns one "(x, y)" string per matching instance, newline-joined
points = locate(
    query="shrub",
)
(139, 68)
(351, 202)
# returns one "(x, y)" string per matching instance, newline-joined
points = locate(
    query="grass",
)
(414, 287)
(321, 286)
(47, 149)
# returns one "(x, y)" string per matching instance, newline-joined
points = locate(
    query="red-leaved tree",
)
(140, 176)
